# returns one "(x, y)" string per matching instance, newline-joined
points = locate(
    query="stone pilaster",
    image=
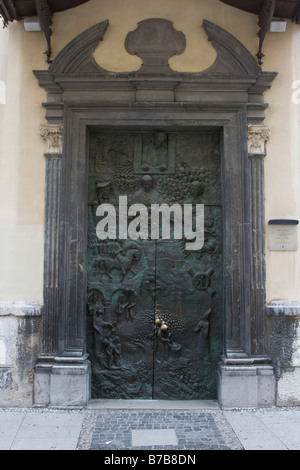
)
(59, 380)
(250, 381)
(52, 134)
(258, 136)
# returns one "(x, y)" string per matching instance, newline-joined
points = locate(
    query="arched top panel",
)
(233, 57)
(79, 51)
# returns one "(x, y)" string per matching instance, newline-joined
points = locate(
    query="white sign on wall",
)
(283, 235)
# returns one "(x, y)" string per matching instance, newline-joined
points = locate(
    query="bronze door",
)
(154, 312)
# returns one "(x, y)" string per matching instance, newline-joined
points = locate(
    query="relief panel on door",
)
(154, 312)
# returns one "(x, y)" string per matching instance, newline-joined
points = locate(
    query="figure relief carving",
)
(201, 280)
(155, 153)
(147, 192)
(202, 328)
(53, 135)
(123, 261)
(103, 193)
(258, 136)
(203, 325)
(148, 334)
(107, 343)
(127, 303)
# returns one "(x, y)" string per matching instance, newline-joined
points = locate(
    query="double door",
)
(154, 308)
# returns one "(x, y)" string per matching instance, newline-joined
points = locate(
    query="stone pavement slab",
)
(154, 437)
(10, 423)
(285, 425)
(252, 432)
(266, 429)
(40, 430)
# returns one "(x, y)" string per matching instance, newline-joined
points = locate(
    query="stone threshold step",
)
(154, 404)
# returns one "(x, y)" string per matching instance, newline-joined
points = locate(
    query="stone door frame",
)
(227, 97)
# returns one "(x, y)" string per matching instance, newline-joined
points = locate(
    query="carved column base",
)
(62, 384)
(246, 385)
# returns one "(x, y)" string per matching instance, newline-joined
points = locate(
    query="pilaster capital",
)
(53, 135)
(258, 136)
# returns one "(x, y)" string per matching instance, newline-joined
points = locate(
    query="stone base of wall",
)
(284, 349)
(288, 388)
(246, 386)
(20, 337)
(62, 384)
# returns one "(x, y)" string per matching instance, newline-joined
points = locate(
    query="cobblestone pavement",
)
(141, 430)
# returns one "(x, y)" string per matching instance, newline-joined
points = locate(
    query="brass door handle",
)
(162, 323)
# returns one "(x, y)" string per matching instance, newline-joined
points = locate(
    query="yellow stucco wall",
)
(22, 165)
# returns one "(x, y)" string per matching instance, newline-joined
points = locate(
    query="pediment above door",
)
(155, 40)
(75, 76)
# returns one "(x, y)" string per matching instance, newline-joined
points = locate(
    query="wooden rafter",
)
(266, 10)
(265, 17)
(45, 17)
(8, 12)
(11, 10)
